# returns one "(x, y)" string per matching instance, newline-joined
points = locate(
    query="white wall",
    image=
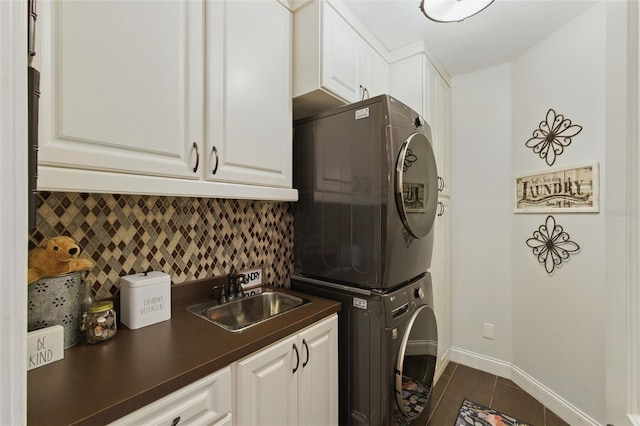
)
(481, 201)
(556, 328)
(13, 212)
(559, 320)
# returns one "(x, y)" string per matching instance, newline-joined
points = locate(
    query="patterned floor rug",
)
(473, 414)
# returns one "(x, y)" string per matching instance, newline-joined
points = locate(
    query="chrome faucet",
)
(222, 297)
(235, 285)
(240, 279)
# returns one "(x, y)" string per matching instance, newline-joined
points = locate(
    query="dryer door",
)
(417, 363)
(416, 186)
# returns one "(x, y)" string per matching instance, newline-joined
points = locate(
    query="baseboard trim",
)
(565, 410)
(480, 362)
(441, 366)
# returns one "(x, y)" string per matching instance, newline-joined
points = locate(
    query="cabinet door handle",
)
(306, 361)
(295, 348)
(440, 184)
(362, 89)
(214, 151)
(195, 146)
(175, 421)
(440, 208)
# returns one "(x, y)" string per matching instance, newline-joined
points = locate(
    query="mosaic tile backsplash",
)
(188, 238)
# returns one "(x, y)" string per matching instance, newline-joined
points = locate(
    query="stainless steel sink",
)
(238, 314)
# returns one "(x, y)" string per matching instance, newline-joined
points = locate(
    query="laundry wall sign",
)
(572, 190)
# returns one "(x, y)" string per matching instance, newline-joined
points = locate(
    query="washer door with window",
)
(416, 185)
(417, 363)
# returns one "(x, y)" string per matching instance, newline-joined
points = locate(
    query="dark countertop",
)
(97, 384)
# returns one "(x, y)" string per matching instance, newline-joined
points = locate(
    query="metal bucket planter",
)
(56, 301)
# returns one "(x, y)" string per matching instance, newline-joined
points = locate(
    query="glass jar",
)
(101, 322)
(85, 301)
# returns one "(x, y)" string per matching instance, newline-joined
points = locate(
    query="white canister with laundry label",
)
(145, 299)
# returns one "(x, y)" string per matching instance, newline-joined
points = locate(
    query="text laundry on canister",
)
(145, 299)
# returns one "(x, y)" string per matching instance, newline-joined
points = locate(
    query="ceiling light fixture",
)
(452, 10)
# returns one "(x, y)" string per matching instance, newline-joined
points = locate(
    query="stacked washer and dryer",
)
(367, 184)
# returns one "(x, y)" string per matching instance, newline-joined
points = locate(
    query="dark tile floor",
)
(458, 382)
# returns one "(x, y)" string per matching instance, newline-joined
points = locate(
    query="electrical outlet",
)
(488, 331)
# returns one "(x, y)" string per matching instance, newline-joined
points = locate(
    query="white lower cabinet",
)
(205, 402)
(292, 382)
(440, 275)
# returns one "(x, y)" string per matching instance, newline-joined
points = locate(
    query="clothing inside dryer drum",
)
(419, 364)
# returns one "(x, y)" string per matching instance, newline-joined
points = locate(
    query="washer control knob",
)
(417, 122)
(418, 293)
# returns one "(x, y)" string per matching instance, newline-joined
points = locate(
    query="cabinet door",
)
(407, 83)
(267, 386)
(440, 275)
(431, 113)
(438, 116)
(442, 149)
(250, 112)
(341, 47)
(225, 421)
(205, 402)
(318, 380)
(375, 72)
(121, 92)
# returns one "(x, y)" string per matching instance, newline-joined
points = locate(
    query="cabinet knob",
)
(195, 146)
(295, 348)
(214, 151)
(365, 92)
(306, 361)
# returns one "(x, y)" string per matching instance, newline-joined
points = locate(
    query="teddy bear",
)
(55, 256)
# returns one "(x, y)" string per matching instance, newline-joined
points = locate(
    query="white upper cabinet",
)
(375, 72)
(120, 92)
(333, 64)
(249, 125)
(417, 83)
(438, 115)
(154, 106)
(340, 54)
(408, 83)
(442, 147)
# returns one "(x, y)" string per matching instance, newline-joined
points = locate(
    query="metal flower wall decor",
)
(551, 244)
(552, 136)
